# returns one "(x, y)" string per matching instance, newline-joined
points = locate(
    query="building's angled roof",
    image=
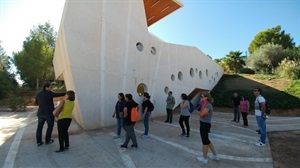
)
(158, 9)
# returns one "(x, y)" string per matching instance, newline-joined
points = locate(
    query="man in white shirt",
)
(260, 108)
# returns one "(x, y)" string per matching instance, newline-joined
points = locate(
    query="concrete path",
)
(165, 148)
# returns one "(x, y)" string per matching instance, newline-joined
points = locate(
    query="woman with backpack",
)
(128, 123)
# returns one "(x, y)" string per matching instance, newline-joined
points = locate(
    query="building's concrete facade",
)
(97, 55)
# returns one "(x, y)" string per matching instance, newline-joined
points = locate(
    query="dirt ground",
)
(285, 148)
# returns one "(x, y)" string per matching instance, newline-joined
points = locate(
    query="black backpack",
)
(268, 107)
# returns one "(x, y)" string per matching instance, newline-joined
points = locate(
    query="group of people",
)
(123, 114)
(241, 105)
(47, 113)
(123, 111)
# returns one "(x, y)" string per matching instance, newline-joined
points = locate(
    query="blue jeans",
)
(119, 125)
(146, 122)
(261, 122)
(39, 130)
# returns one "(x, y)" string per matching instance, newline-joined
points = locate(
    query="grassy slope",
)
(274, 90)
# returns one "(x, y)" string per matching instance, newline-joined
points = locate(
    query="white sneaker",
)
(260, 144)
(202, 159)
(214, 157)
(145, 136)
(117, 136)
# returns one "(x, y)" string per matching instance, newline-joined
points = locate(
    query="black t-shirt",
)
(129, 105)
(236, 101)
(148, 104)
(119, 108)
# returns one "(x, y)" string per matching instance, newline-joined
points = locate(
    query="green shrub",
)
(289, 69)
(265, 76)
(246, 71)
(294, 88)
(17, 103)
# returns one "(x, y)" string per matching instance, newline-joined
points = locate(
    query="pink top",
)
(244, 105)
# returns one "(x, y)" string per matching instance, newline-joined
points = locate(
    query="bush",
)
(246, 71)
(17, 103)
(265, 76)
(289, 69)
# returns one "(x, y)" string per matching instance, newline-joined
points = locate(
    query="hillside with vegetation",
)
(283, 94)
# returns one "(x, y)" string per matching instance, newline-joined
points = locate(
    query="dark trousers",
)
(169, 115)
(130, 134)
(244, 114)
(39, 130)
(236, 112)
(63, 135)
(204, 129)
(184, 119)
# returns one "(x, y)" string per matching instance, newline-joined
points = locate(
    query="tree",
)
(266, 58)
(34, 61)
(273, 35)
(7, 80)
(234, 60)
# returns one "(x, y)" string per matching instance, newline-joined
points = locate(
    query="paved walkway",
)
(165, 148)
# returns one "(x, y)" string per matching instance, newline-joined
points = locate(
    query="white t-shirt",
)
(258, 100)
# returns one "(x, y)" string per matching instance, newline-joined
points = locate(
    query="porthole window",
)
(141, 89)
(166, 89)
(153, 50)
(139, 46)
(200, 74)
(206, 72)
(172, 77)
(192, 72)
(180, 75)
(196, 70)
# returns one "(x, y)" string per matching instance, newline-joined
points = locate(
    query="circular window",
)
(206, 72)
(180, 75)
(217, 74)
(153, 50)
(196, 70)
(139, 46)
(141, 89)
(200, 74)
(192, 72)
(172, 77)
(166, 89)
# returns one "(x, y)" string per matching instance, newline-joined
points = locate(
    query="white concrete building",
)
(104, 48)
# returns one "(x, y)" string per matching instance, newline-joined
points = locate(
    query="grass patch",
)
(287, 98)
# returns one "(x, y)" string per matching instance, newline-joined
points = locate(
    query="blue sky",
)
(216, 27)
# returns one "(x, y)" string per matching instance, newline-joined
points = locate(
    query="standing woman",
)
(206, 113)
(129, 125)
(118, 113)
(64, 120)
(184, 116)
(244, 108)
(147, 108)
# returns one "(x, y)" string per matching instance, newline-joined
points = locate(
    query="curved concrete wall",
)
(104, 48)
